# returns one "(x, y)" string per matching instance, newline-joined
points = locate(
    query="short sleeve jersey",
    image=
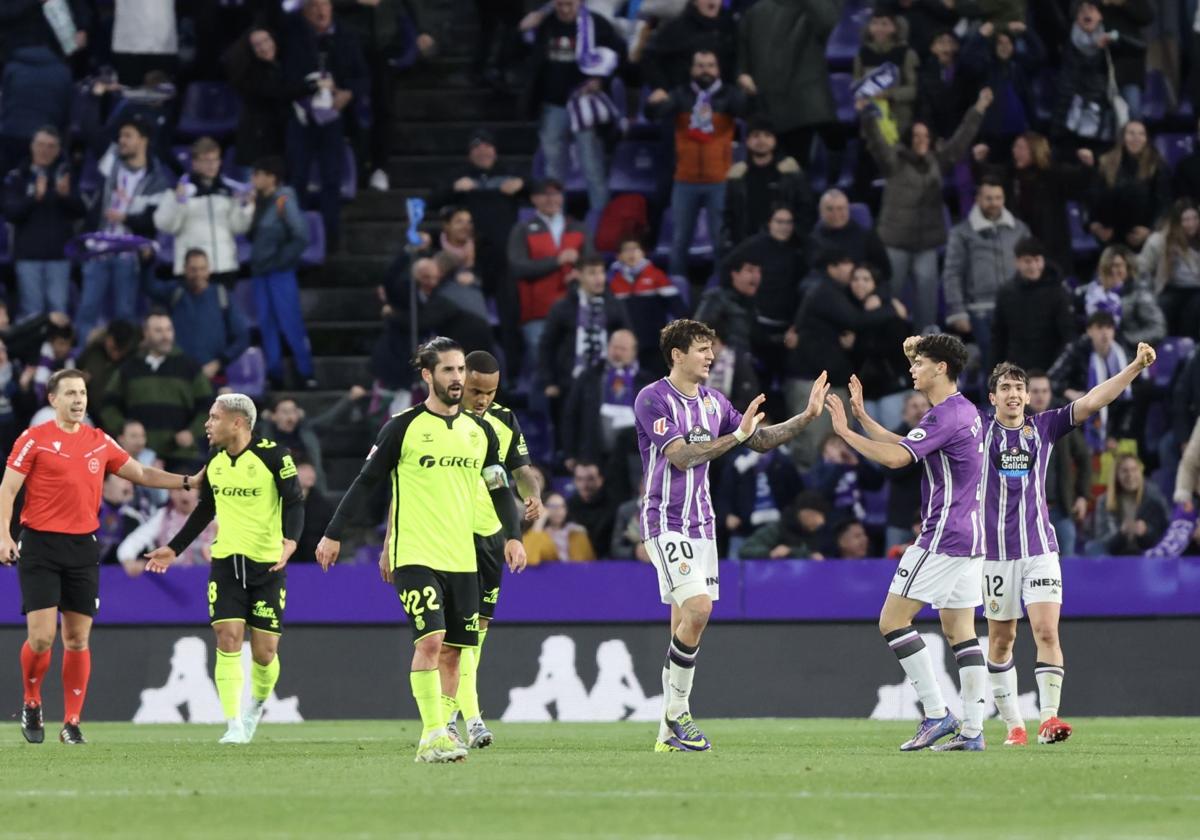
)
(434, 463)
(247, 493)
(678, 501)
(949, 444)
(1015, 520)
(514, 454)
(64, 476)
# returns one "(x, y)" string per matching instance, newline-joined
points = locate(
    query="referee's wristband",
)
(740, 435)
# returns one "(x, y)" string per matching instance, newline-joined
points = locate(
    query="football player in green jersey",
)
(435, 456)
(250, 486)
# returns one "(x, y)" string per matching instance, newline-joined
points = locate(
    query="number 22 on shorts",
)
(411, 599)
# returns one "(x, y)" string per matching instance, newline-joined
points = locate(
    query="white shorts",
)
(945, 582)
(1009, 583)
(686, 566)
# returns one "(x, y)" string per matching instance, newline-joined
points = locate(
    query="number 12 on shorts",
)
(994, 584)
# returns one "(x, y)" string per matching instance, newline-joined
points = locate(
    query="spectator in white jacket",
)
(206, 211)
(158, 530)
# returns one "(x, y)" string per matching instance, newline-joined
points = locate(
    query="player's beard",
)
(443, 394)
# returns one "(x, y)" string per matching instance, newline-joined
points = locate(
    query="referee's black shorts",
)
(59, 570)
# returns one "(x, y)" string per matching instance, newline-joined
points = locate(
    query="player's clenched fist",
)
(910, 347)
(1146, 355)
(327, 552)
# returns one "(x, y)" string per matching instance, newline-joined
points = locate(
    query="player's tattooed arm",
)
(769, 437)
(684, 456)
(1111, 389)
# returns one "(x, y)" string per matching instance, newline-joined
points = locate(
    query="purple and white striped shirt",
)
(677, 500)
(948, 440)
(1016, 523)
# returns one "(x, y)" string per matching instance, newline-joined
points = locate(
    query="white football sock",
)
(1049, 680)
(1004, 688)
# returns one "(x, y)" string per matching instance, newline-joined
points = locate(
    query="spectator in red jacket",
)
(542, 254)
(650, 298)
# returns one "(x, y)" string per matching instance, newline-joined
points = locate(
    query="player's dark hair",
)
(591, 260)
(681, 335)
(63, 331)
(427, 354)
(60, 375)
(194, 252)
(481, 361)
(1006, 370)
(124, 334)
(989, 180)
(1029, 246)
(944, 348)
(630, 240)
(1101, 318)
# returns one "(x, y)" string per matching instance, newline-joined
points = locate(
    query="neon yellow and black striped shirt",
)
(437, 465)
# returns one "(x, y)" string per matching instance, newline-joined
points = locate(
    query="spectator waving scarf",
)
(588, 109)
(1100, 369)
(700, 124)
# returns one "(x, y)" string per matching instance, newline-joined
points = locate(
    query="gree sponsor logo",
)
(429, 462)
(237, 492)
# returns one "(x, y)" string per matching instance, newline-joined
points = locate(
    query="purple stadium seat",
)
(636, 166)
(166, 248)
(875, 504)
(861, 213)
(243, 249)
(367, 555)
(248, 373)
(183, 155)
(843, 98)
(684, 288)
(1082, 242)
(701, 249)
(349, 187)
(209, 109)
(538, 436)
(1172, 352)
(230, 168)
(1155, 104)
(846, 39)
(90, 179)
(314, 254)
(574, 182)
(1174, 147)
(243, 299)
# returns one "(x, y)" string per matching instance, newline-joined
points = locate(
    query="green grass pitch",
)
(1117, 777)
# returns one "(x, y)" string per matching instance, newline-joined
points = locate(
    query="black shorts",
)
(489, 557)
(438, 601)
(239, 589)
(59, 570)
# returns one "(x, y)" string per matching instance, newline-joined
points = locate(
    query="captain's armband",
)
(495, 477)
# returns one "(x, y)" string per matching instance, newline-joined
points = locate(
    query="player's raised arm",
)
(769, 437)
(138, 473)
(1114, 386)
(381, 460)
(873, 428)
(881, 452)
(684, 456)
(161, 558)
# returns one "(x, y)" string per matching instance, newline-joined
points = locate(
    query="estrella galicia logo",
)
(1014, 462)
(699, 434)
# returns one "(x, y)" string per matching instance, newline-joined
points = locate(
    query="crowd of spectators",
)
(826, 178)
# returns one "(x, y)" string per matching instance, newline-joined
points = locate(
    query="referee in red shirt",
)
(62, 464)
